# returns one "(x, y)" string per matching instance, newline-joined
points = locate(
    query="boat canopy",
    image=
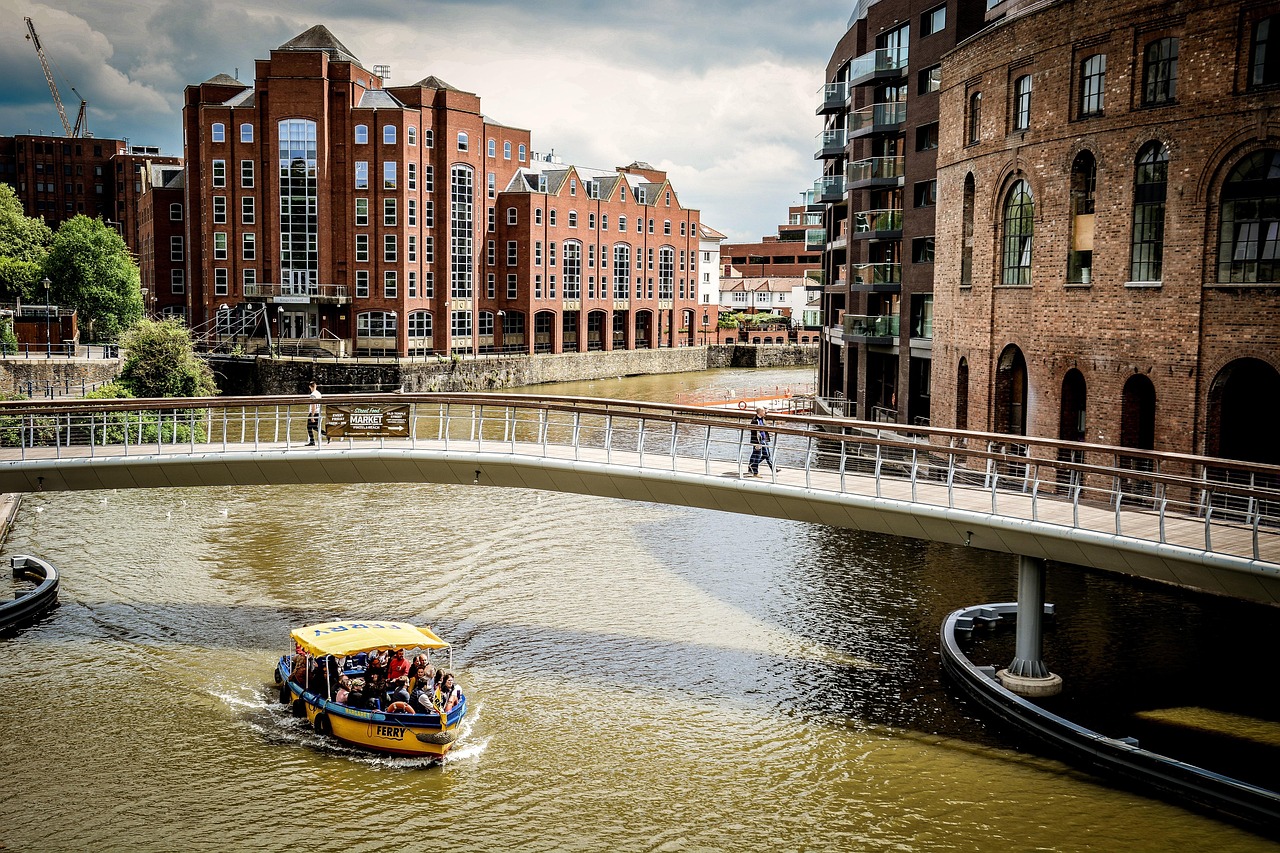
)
(349, 638)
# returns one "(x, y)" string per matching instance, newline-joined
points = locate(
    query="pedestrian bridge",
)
(1203, 523)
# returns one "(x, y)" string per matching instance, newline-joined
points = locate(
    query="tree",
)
(161, 362)
(93, 272)
(24, 243)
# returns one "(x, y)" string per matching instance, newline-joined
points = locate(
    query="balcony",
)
(887, 63)
(875, 328)
(876, 278)
(878, 224)
(833, 97)
(829, 189)
(878, 119)
(875, 172)
(815, 239)
(831, 143)
(298, 294)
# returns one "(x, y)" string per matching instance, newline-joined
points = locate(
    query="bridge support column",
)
(1027, 675)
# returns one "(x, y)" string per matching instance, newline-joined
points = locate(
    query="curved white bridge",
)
(1204, 523)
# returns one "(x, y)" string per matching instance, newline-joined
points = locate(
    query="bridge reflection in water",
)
(1209, 524)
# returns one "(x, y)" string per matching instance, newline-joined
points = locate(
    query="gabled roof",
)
(379, 98)
(319, 38)
(708, 233)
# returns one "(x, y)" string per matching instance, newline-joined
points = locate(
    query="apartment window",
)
(428, 138)
(219, 173)
(1264, 63)
(522, 151)
(460, 324)
(491, 288)
(362, 248)
(1022, 102)
(1160, 72)
(362, 284)
(491, 185)
(512, 253)
(933, 21)
(389, 175)
(390, 285)
(362, 174)
(428, 178)
(411, 284)
(429, 250)
(506, 151)
(376, 324)
(927, 136)
(1084, 179)
(362, 134)
(388, 211)
(922, 250)
(551, 216)
(246, 132)
(537, 287)
(492, 150)
(219, 210)
(388, 134)
(650, 226)
(537, 253)
(428, 214)
(491, 253)
(220, 279)
(175, 248)
(930, 80)
(362, 211)
(604, 222)
(537, 216)
(512, 216)
(218, 133)
(1249, 239)
(463, 141)
(411, 135)
(573, 219)
(591, 220)
(420, 324)
(177, 281)
(220, 245)
(1150, 186)
(681, 229)
(926, 193)
(246, 174)
(1093, 79)
(411, 248)
(247, 213)
(491, 214)
(248, 278)
(666, 227)
(411, 175)
(1019, 217)
(975, 118)
(622, 271)
(248, 247)
(551, 255)
(622, 224)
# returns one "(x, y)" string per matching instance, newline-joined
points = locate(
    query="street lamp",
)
(48, 335)
(705, 323)
(144, 303)
(500, 318)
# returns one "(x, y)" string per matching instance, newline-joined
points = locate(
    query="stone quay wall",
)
(65, 375)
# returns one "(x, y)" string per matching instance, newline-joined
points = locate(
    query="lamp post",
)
(48, 335)
(144, 304)
(705, 323)
(500, 320)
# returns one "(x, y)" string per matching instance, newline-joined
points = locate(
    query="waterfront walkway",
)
(1202, 523)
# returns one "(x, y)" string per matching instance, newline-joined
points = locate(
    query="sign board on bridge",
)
(366, 421)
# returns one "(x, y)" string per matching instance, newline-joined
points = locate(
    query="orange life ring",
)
(400, 708)
(742, 404)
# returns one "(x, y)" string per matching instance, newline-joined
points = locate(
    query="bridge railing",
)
(1195, 502)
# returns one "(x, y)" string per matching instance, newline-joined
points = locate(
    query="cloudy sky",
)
(720, 93)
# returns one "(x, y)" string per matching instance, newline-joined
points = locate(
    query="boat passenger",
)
(426, 700)
(450, 695)
(397, 666)
(298, 673)
(373, 664)
(399, 691)
(375, 690)
(344, 688)
(356, 697)
(422, 675)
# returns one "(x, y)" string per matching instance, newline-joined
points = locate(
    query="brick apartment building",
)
(877, 198)
(1108, 264)
(400, 220)
(793, 252)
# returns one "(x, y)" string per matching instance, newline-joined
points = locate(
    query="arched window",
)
(376, 324)
(1022, 102)
(572, 268)
(388, 134)
(975, 118)
(246, 132)
(420, 327)
(1084, 180)
(512, 216)
(622, 223)
(1160, 72)
(1019, 217)
(966, 245)
(1249, 237)
(1150, 185)
(523, 152)
(573, 219)
(493, 148)
(463, 140)
(428, 138)
(962, 395)
(362, 134)
(506, 151)
(411, 135)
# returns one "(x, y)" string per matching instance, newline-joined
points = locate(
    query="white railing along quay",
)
(1211, 505)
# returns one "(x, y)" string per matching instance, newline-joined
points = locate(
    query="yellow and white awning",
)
(349, 638)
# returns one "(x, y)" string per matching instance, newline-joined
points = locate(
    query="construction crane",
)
(79, 128)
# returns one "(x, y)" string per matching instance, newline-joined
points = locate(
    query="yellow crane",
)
(79, 129)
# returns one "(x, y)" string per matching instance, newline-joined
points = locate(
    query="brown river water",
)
(640, 677)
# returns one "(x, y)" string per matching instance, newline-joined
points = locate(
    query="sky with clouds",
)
(720, 93)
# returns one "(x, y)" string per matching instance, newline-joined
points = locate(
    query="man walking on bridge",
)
(313, 414)
(759, 445)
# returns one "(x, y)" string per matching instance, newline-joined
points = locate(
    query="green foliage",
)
(8, 338)
(161, 362)
(24, 243)
(93, 272)
(727, 321)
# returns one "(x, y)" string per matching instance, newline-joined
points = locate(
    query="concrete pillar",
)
(1027, 675)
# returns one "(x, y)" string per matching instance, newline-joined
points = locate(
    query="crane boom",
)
(48, 75)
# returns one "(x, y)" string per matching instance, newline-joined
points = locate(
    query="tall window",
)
(463, 141)
(933, 21)
(666, 272)
(1160, 72)
(1249, 237)
(975, 118)
(362, 134)
(966, 243)
(219, 172)
(621, 271)
(1093, 81)
(246, 132)
(362, 211)
(1149, 189)
(1019, 215)
(388, 134)
(218, 133)
(420, 325)
(1264, 64)
(299, 205)
(1022, 102)
(462, 226)
(1084, 179)
(572, 269)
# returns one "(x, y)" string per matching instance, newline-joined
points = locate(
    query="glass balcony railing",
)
(830, 188)
(872, 326)
(833, 96)
(877, 62)
(831, 143)
(865, 275)
(815, 239)
(867, 221)
(874, 169)
(889, 114)
(809, 198)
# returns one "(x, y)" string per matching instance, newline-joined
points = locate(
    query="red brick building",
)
(1108, 263)
(400, 220)
(161, 239)
(794, 251)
